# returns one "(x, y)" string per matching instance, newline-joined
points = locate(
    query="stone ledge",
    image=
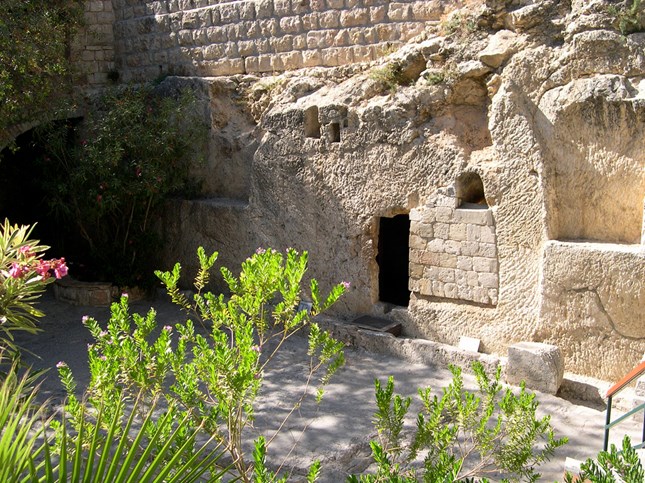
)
(574, 388)
(412, 350)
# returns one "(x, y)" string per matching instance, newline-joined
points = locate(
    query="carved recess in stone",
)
(453, 251)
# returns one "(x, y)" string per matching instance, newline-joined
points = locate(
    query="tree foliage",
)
(35, 36)
(107, 178)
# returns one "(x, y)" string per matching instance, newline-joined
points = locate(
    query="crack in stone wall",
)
(601, 307)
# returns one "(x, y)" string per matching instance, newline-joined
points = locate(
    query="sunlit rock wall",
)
(543, 102)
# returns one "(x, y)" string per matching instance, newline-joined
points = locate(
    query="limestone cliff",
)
(509, 139)
(473, 168)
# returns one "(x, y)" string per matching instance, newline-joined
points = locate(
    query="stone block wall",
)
(223, 37)
(93, 50)
(453, 252)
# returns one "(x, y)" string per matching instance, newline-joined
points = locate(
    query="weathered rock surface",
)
(500, 47)
(505, 139)
(543, 103)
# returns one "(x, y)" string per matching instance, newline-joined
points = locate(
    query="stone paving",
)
(340, 428)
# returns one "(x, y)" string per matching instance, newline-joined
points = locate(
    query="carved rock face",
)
(543, 101)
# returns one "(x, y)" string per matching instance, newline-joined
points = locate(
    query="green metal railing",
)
(616, 388)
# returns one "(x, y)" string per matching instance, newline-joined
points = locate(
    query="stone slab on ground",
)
(541, 366)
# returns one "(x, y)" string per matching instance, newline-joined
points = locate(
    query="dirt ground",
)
(339, 429)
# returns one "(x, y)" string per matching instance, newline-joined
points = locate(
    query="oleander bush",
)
(107, 178)
(24, 275)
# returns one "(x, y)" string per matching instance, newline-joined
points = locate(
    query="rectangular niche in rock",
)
(334, 132)
(312, 123)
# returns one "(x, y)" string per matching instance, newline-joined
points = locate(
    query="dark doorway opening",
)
(393, 260)
(23, 198)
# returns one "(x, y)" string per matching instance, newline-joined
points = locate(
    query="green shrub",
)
(461, 435)
(390, 76)
(446, 75)
(215, 378)
(106, 179)
(460, 24)
(630, 18)
(612, 466)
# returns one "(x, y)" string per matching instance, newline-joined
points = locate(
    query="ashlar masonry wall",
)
(453, 251)
(93, 49)
(220, 37)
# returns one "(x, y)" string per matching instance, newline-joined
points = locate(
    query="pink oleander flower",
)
(26, 251)
(42, 268)
(60, 268)
(17, 270)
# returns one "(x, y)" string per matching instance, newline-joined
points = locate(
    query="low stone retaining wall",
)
(419, 351)
(75, 292)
